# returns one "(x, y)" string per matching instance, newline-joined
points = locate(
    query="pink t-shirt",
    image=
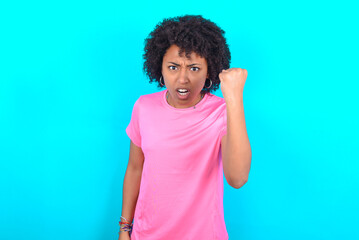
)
(181, 192)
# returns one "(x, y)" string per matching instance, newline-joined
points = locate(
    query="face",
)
(186, 74)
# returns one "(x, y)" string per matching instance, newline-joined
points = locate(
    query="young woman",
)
(184, 138)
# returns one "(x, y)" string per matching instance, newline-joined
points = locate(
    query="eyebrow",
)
(187, 65)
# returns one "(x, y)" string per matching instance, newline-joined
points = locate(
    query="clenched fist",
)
(232, 82)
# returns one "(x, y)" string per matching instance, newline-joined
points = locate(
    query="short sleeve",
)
(223, 128)
(133, 128)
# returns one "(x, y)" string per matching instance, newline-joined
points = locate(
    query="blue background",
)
(71, 71)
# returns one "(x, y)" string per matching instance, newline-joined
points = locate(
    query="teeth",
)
(182, 90)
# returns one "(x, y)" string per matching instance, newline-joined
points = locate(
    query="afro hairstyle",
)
(191, 33)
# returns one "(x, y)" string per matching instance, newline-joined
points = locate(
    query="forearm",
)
(131, 188)
(237, 157)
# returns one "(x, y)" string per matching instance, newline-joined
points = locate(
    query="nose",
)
(183, 76)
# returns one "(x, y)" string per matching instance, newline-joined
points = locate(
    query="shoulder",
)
(215, 97)
(150, 99)
(215, 101)
(152, 96)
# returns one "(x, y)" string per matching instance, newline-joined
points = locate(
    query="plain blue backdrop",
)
(71, 71)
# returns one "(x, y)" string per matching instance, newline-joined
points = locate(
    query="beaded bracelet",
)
(125, 226)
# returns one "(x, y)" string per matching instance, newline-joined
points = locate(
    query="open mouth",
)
(182, 91)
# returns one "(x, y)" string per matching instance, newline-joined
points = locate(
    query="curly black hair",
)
(191, 33)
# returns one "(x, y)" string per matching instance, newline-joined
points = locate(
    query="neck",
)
(200, 98)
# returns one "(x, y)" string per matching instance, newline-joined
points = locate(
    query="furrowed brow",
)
(193, 64)
(190, 65)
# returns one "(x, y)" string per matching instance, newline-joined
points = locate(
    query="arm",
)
(236, 149)
(131, 185)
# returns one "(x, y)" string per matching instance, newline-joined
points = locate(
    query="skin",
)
(236, 148)
(182, 72)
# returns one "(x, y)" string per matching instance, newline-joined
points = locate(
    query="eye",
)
(172, 67)
(195, 69)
